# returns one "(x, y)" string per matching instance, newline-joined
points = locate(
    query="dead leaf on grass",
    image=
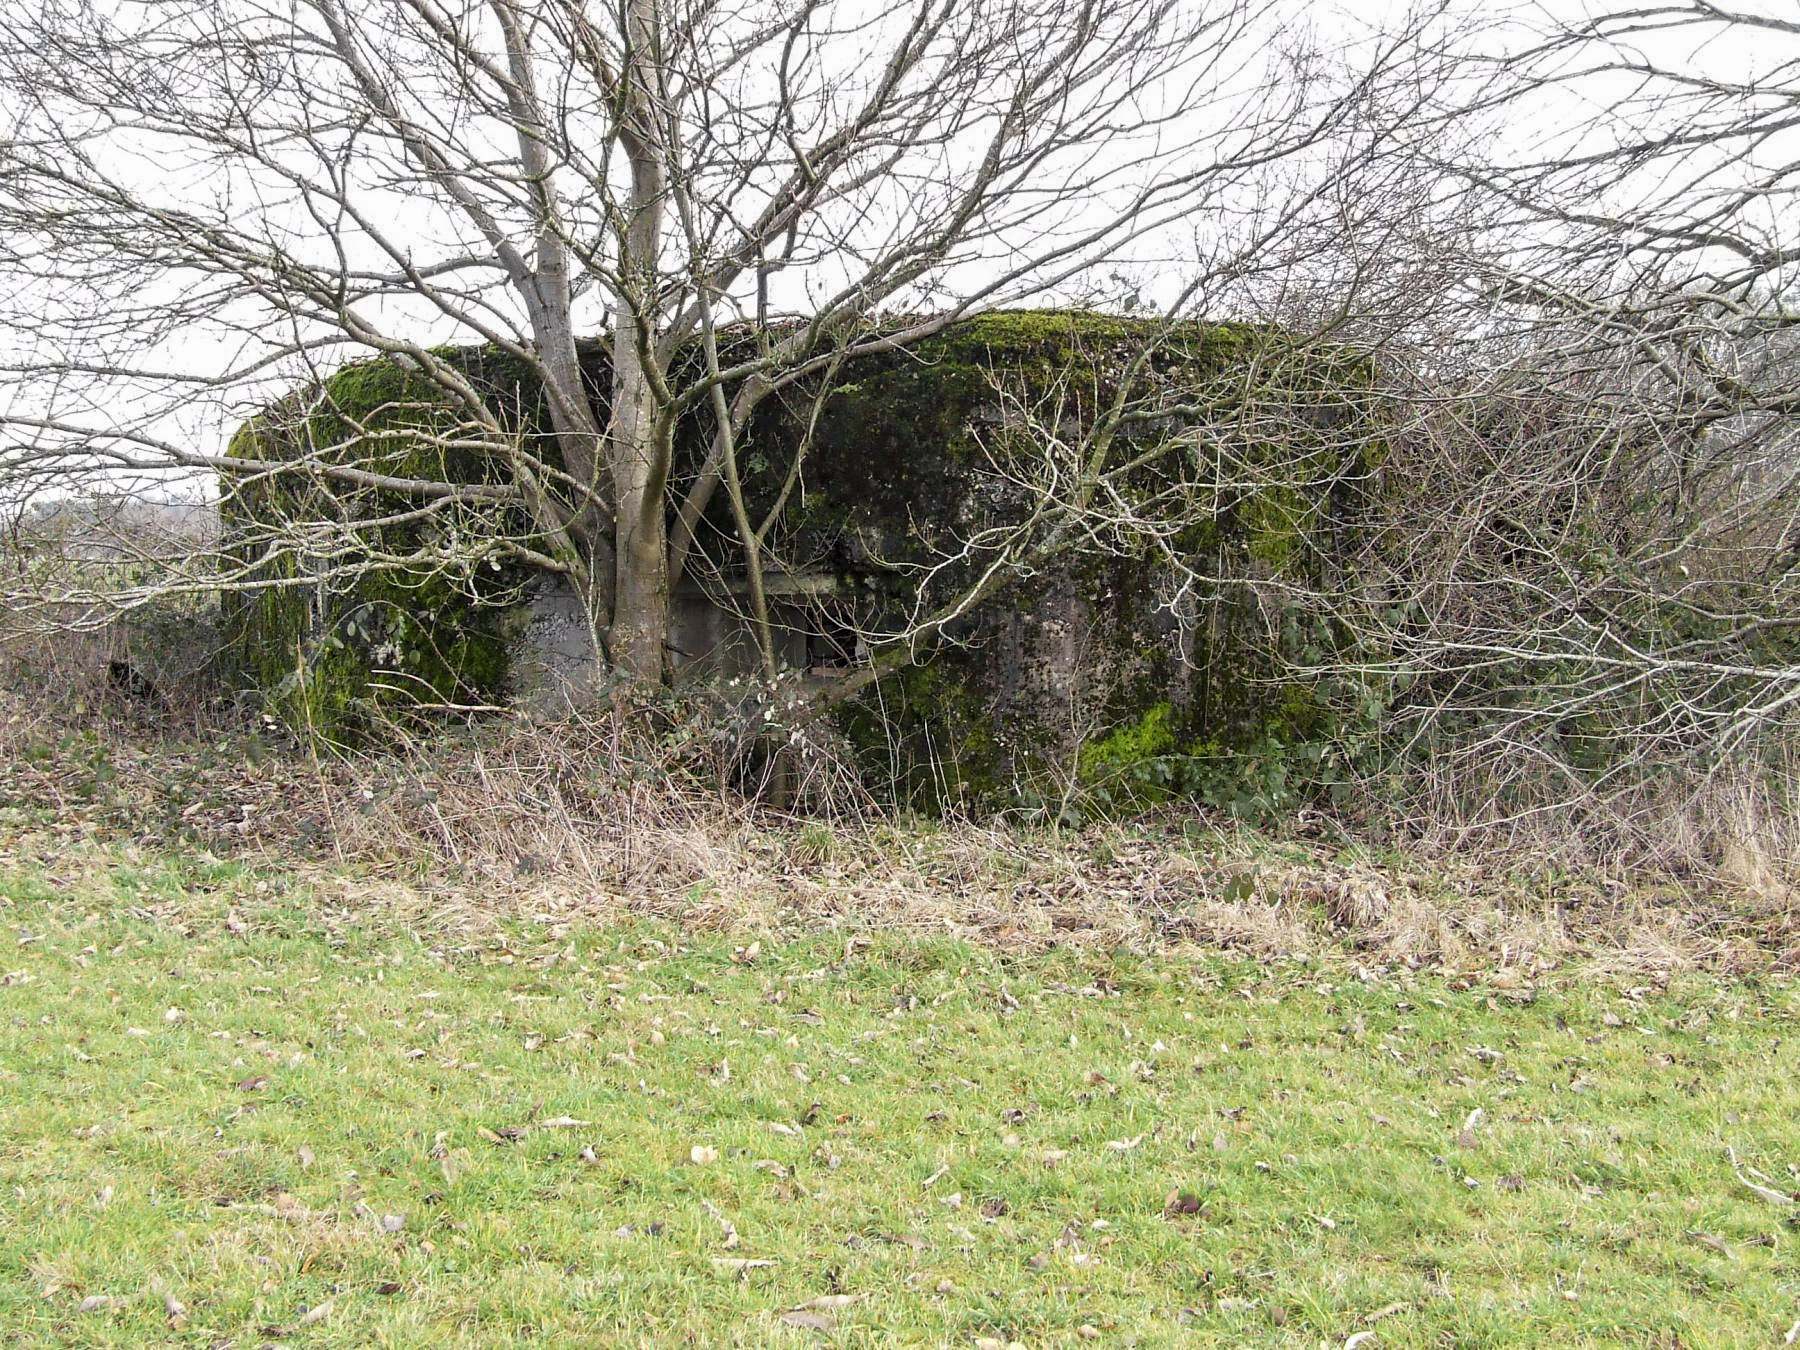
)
(1466, 1137)
(728, 1229)
(1717, 1244)
(1180, 1202)
(1756, 1188)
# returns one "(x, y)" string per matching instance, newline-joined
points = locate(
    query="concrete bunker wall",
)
(1082, 665)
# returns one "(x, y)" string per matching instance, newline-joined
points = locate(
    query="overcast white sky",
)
(1601, 107)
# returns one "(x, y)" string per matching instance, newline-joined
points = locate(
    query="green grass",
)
(259, 1101)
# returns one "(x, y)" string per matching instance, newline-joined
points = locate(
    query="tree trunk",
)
(640, 450)
(639, 437)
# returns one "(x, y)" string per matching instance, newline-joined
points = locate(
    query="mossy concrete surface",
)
(907, 455)
(378, 618)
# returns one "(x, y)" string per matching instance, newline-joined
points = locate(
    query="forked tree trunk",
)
(639, 436)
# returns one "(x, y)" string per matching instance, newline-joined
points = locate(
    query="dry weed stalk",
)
(588, 819)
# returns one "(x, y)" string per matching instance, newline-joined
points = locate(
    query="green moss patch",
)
(426, 615)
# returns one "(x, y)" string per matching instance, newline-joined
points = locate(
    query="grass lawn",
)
(236, 1107)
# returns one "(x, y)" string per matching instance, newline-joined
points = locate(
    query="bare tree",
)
(204, 203)
(1557, 281)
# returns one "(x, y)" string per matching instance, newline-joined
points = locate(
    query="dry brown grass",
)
(583, 818)
(1733, 827)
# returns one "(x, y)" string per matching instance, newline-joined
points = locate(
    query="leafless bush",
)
(1574, 606)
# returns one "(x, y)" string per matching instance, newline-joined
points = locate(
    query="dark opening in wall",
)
(832, 645)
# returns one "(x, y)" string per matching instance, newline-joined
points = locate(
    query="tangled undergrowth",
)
(580, 817)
